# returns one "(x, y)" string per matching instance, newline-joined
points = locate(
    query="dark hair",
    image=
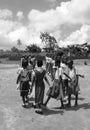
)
(39, 63)
(24, 63)
(57, 61)
(65, 60)
(70, 63)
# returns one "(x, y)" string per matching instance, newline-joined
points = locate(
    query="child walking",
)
(39, 74)
(23, 80)
(56, 91)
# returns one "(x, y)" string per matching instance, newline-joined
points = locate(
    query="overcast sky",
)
(68, 21)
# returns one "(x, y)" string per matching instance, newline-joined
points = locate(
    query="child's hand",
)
(30, 83)
(30, 90)
(70, 80)
(83, 76)
(18, 86)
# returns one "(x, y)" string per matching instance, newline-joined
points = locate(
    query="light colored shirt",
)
(64, 69)
(72, 74)
(58, 73)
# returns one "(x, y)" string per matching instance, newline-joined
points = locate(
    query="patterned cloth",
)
(56, 90)
(24, 88)
(73, 87)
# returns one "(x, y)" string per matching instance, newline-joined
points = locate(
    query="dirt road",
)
(14, 117)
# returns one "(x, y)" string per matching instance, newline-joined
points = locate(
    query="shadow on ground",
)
(80, 106)
(80, 98)
(47, 111)
(73, 108)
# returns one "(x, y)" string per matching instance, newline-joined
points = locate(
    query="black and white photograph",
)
(44, 64)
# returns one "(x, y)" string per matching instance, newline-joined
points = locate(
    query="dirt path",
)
(14, 117)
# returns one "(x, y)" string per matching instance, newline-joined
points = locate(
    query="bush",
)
(6, 55)
(15, 56)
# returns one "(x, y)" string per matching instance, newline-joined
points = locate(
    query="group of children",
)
(65, 82)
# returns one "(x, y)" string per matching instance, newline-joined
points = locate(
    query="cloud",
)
(77, 11)
(6, 27)
(71, 13)
(5, 42)
(5, 13)
(78, 37)
(20, 15)
(45, 21)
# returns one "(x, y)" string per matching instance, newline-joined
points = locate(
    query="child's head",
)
(24, 63)
(39, 63)
(70, 64)
(64, 60)
(57, 61)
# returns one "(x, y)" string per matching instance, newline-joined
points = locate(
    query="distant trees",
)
(78, 51)
(33, 48)
(14, 49)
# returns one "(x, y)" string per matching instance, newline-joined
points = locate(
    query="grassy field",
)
(6, 61)
(14, 117)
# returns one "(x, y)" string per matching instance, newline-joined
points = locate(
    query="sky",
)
(67, 20)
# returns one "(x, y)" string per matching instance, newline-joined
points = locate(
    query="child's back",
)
(24, 75)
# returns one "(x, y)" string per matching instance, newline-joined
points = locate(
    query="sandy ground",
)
(14, 117)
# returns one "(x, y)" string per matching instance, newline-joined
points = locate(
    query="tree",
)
(14, 49)
(33, 48)
(48, 41)
(19, 43)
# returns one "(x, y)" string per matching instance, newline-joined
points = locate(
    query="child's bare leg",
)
(23, 99)
(27, 98)
(62, 105)
(47, 100)
(69, 101)
(76, 99)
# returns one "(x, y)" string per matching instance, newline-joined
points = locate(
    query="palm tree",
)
(19, 43)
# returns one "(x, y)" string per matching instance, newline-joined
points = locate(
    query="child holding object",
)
(56, 91)
(73, 87)
(23, 80)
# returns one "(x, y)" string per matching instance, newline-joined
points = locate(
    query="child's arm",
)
(18, 79)
(47, 80)
(32, 79)
(60, 78)
(82, 76)
(67, 76)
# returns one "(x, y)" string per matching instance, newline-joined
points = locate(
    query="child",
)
(23, 79)
(56, 90)
(65, 71)
(39, 74)
(73, 85)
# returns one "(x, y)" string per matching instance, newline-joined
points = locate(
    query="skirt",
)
(24, 88)
(73, 88)
(55, 90)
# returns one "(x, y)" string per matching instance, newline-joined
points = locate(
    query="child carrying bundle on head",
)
(23, 80)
